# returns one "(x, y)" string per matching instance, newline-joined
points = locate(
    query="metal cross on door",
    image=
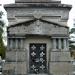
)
(37, 61)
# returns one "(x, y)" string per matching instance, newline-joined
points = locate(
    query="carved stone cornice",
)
(37, 5)
(37, 1)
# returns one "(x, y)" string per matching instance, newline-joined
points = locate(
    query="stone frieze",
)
(37, 27)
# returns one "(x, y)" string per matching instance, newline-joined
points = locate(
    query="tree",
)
(72, 39)
(2, 47)
(1, 13)
(72, 42)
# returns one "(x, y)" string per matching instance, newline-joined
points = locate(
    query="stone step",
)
(37, 74)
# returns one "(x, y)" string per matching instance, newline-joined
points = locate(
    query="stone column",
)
(11, 43)
(67, 44)
(8, 43)
(54, 43)
(21, 43)
(59, 43)
(16, 43)
(64, 43)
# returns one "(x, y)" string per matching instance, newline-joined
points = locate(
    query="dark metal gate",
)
(37, 58)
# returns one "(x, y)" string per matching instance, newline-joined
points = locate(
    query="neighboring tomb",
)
(38, 38)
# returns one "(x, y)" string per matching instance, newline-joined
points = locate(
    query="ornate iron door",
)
(37, 61)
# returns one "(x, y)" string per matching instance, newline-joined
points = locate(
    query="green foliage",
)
(2, 47)
(72, 43)
(72, 47)
(72, 30)
(1, 23)
(1, 13)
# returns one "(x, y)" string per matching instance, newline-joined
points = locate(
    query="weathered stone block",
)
(19, 56)
(16, 67)
(60, 68)
(60, 56)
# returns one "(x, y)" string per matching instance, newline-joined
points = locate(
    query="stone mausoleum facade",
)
(37, 38)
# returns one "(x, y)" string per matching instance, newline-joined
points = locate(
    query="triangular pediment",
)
(36, 26)
(28, 22)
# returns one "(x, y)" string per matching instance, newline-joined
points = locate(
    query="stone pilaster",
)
(64, 42)
(11, 43)
(67, 44)
(8, 43)
(16, 43)
(59, 43)
(21, 43)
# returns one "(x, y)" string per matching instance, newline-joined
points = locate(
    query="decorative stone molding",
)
(37, 14)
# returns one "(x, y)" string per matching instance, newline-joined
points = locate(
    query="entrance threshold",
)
(38, 74)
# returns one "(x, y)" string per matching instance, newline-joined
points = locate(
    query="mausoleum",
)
(38, 38)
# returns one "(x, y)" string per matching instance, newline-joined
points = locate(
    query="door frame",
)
(46, 57)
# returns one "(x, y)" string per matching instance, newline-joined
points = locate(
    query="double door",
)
(37, 58)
